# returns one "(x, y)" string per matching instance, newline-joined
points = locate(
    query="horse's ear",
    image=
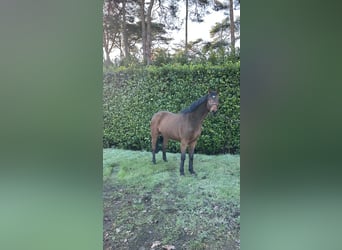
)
(209, 91)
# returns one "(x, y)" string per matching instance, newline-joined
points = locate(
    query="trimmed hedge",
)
(133, 95)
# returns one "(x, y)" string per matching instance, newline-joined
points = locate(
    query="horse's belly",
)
(170, 134)
(170, 129)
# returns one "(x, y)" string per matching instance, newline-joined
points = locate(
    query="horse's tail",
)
(159, 143)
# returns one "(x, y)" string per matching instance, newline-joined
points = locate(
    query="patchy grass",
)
(144, 203)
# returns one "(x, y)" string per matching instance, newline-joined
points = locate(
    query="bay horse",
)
(185, 127)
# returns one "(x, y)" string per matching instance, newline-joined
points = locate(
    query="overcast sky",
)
(201, 30)
(196, 30)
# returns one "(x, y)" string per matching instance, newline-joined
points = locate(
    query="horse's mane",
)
(193, 106)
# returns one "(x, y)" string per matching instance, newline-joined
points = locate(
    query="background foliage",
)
(133, 94)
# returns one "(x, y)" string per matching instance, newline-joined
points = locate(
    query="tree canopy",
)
(139, 31)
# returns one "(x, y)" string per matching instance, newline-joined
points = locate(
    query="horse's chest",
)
(194, 133)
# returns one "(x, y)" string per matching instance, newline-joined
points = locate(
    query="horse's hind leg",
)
(154, 135)
(154, 145)
(165, 141)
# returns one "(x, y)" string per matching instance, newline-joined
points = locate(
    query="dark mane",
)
(193, 106)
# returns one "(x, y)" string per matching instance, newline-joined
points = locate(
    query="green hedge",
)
(133, 95)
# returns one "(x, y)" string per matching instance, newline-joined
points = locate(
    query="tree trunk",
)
(106, 39)
(124, 30)
(149, 34)
(107, 49)
(107, 60)
(143, 28)
(232, 27)
(186, 26)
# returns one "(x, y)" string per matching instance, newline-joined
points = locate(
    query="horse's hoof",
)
(182, 174)
(193, 173)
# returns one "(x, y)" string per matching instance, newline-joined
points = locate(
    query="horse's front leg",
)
(183, 151)
(191, 157)
(153, 157)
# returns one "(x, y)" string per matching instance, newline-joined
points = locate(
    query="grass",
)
(144, 202)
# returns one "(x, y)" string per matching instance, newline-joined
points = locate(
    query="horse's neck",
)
(197, 116)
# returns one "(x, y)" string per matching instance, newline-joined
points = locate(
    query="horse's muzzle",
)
(213, 108)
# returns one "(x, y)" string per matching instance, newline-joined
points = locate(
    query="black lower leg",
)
(164, 156)
(191, 160)
(153, 157)
(181, 169)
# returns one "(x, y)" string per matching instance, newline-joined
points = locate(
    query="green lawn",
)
(144, 203)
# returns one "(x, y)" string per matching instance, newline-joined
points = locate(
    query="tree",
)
(186, 25)
(149, 11)
(196, 13)
(232, 28)
(132, 30)
(116, 28)
(149, 33)
(222, 34)
(124, 29)
(198, 9)
(111, 32)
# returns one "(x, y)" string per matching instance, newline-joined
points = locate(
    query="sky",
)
(196, 30)
(201, 30)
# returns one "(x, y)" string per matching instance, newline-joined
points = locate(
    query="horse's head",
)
(213, 101)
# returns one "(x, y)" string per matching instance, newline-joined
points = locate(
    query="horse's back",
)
(161, 115)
